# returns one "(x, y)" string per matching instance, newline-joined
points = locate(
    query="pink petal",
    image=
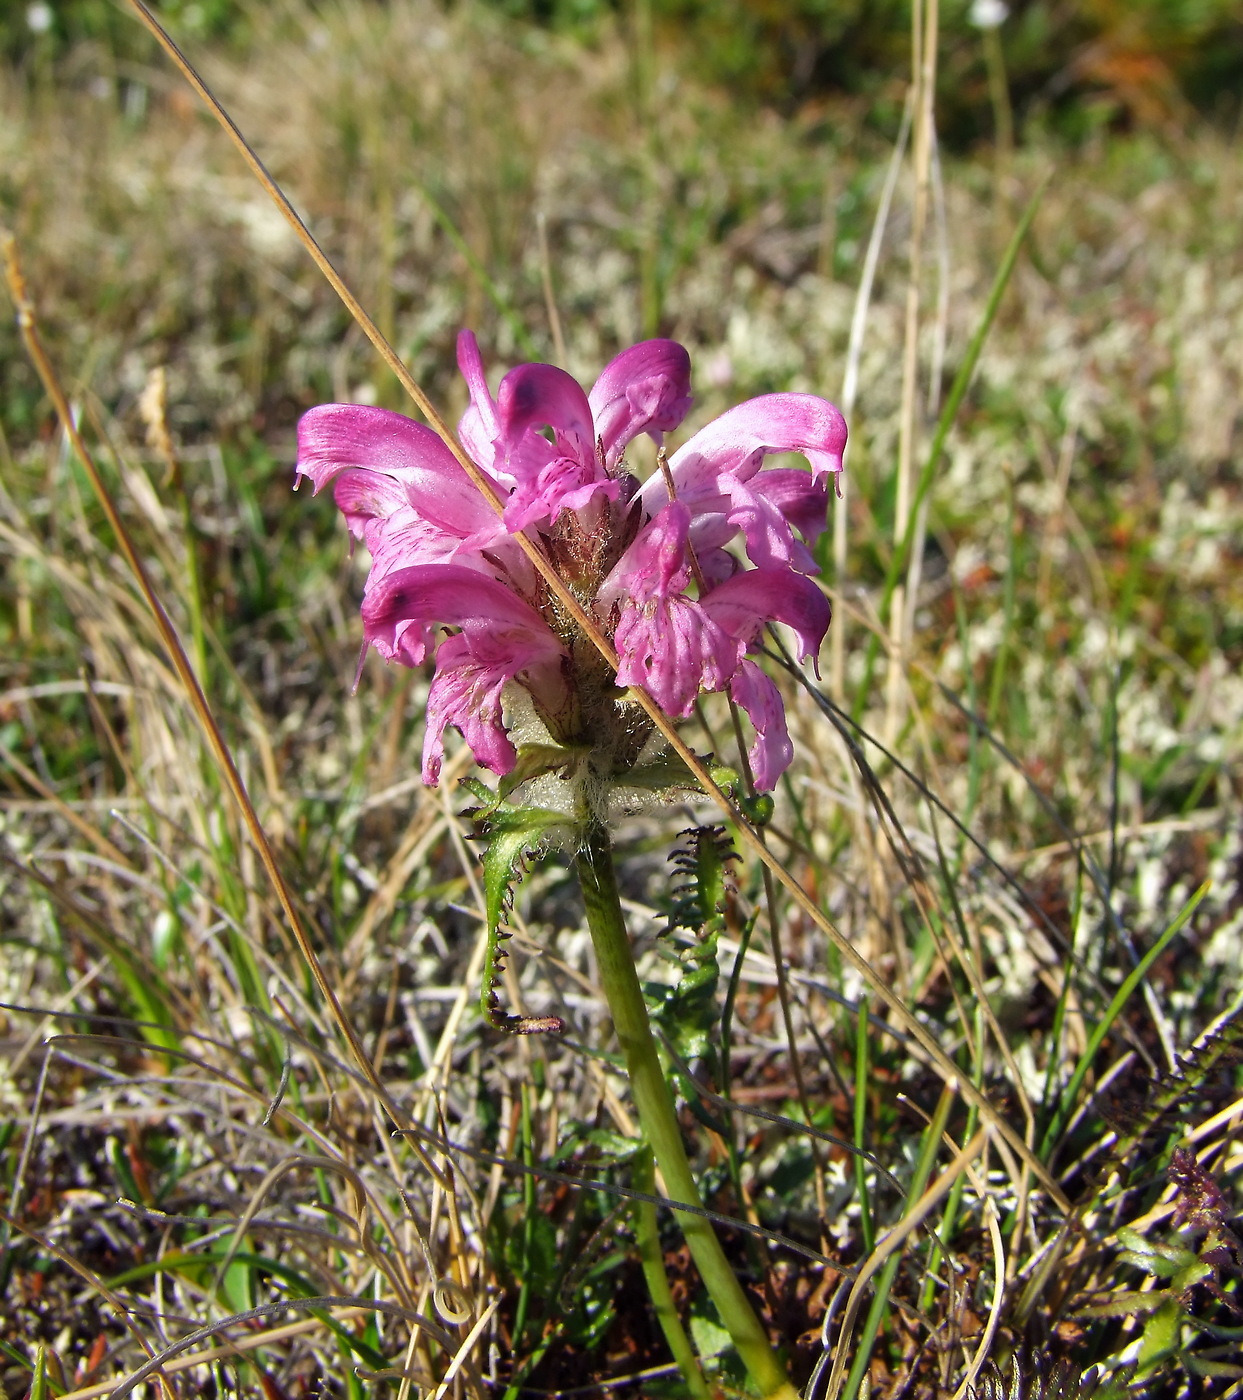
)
(644, 389)
(744, 603)
(467, 694)
(404, 539)
(478, 428)
(656, 562)
(736, 443)
(548, 477)
(502, 639)
(766, 506)
(452, 595)
(802, 499)
(363, 496)
(543, 396)
(673, 649)
(550, 480)
(772, 751)
(337, 437)
(666, 643)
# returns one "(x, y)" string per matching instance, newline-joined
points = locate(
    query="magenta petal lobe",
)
(771, 752)
(745, 602)
(737, 442)
(645, 389)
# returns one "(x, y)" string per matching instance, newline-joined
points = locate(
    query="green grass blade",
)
(953, 401)
(1112, 1012)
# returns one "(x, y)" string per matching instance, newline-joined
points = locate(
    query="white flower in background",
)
(39, 18)
(989, 14)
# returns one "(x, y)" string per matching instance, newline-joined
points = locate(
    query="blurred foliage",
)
(1145, 60)
(1074, 65)
(32, 31)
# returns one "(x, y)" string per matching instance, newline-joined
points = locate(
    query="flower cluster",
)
(650, 566)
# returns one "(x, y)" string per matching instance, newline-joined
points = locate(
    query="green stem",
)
(653, 1261)
(654, 1102)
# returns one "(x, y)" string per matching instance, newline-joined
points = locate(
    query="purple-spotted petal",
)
(744, 603)
(543, 396)
(645, 389)
(771, 752)
(548, 477)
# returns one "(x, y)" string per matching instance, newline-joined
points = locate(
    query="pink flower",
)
(680, 609)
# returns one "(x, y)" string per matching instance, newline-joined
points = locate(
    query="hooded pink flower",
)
(681, 610)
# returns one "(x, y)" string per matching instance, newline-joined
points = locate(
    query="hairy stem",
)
(650, 1091)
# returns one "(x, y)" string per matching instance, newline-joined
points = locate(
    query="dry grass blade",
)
(260, 1314)
(389, 1267)
(193, 690)
(268, 1337)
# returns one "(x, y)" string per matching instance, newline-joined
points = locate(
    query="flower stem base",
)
(654, 1102)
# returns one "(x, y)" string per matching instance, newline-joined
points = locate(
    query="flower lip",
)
(747, 600)
(380, 461)
(455, 596)
(735, 445)
(537, 396)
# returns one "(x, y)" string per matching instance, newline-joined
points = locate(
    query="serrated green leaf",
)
(1160, 1337)
(687, 1012)
(513, 835)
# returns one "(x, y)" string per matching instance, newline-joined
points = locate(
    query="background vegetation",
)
(1007, 820)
